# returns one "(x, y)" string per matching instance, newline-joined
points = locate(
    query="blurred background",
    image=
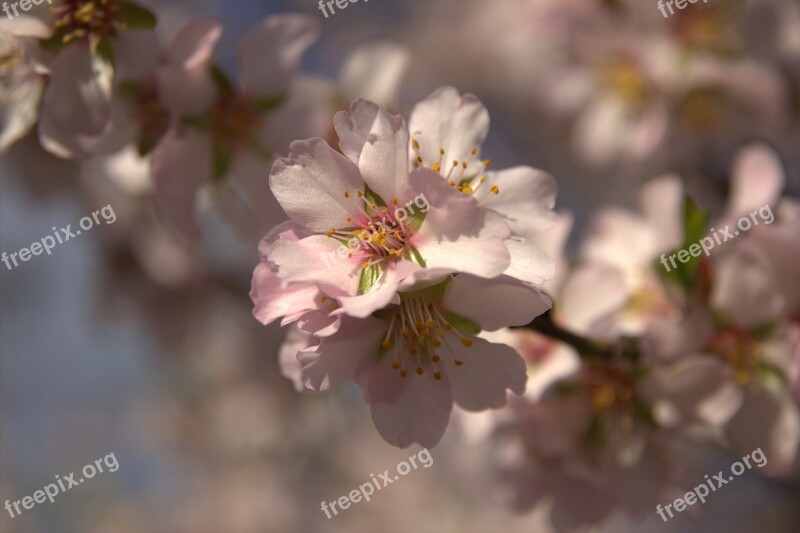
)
(132, 341)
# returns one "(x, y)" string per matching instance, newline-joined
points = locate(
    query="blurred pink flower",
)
(238, 129)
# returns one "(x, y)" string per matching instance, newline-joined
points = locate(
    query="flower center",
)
(467, 176)
(235, 120)
(738, 349)
(418, 332)
(152, 117)
(379, 233)
(625, 79)
(93, 20)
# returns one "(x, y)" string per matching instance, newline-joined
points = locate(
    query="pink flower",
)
(373, 221)
(87, 44)
(420, 354)
(237, 129)
(21, 87)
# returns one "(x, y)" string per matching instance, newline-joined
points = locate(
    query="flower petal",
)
(270, 53)
(420, 415)
(310, 184)
(496, 303)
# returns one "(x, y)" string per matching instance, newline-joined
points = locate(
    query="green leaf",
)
(136, 16)
(369, 277)
(435, 292)
(695, 222)
(643, 414)
(268, 104)
(106, 51)
(221, 80)
(222, 157)
(56, 41)
(416, 257)
(463, 324)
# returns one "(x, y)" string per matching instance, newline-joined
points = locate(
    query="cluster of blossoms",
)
(634, 358)
(450, 284)
(103, 90)
(402, 316)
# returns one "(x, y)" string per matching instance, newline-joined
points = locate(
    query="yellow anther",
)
(415, 144)
(466, 189)
(348, 219)
(474, 151)
(447, 326)
(483, 179)
(419, 370)
(437, 167)
(487, 162)
(459, 362)
(394, 201)
(441, 151)
(435, 343)
(495, 189)
(413, 351)
(466, 341)
(435, 358)
(346, 194)
(330, 232)
(395, 365)
(464, 164)
(419, 159)
(360, 194)
(386, 344)
(455, 162)
(403, 373)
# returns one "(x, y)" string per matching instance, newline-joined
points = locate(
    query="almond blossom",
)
(86, 45)
(420, 354)
(366, 191)
(239, 128)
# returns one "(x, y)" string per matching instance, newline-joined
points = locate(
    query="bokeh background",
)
(159, 360)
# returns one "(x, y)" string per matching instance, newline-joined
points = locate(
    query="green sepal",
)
(416, 257)
(695, 222)
(137, 17)
(369, 277)
(269, 104)
(106, 51)
(221, 80)
(221, 161)
(466, 326)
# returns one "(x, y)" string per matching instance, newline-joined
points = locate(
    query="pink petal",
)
(384, 158)
(354, 128)
(180, 167)
(448, 120)
(489, 370)
(504, 302)
(311, 182)
(420, 415)
(338, 357)
(373, 72)
(270, 53)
